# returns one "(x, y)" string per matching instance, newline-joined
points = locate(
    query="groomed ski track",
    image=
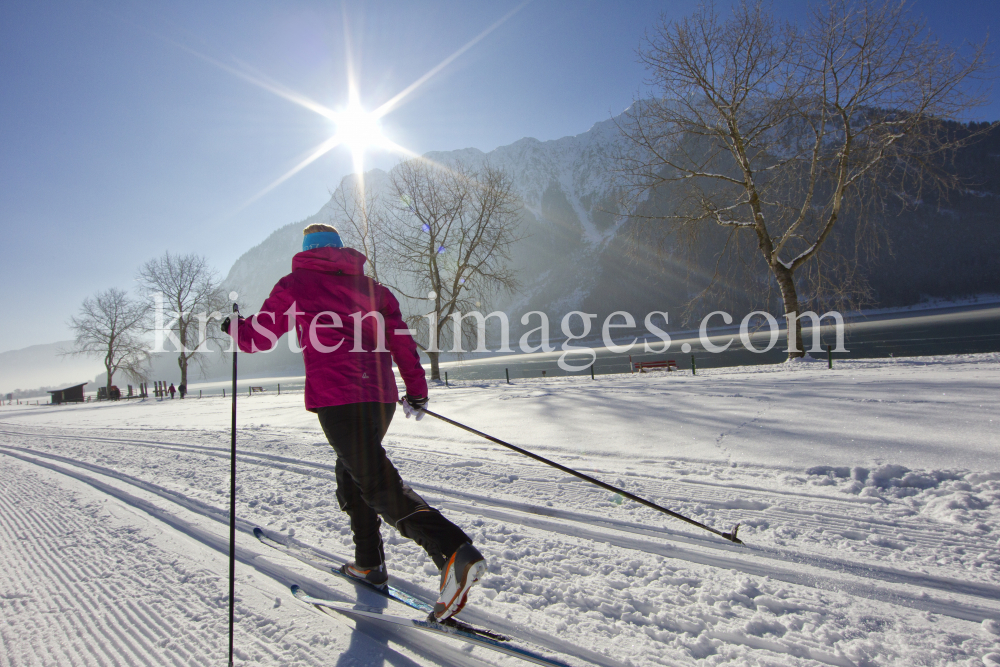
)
(969, 600)
(859, 561)
(143, 630)
(916, 591)
(262, 560)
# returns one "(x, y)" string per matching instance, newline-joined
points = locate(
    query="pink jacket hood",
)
(349, 327)
(347, 261)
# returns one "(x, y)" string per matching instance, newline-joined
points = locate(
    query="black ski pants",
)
(368, 485)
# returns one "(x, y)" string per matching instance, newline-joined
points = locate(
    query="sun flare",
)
(359, 130)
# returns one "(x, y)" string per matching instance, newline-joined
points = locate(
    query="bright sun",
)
(359, 130)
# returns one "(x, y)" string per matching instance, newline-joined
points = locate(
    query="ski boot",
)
(373, 576)
(462, 571)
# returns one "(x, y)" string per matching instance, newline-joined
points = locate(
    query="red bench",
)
(641, 366)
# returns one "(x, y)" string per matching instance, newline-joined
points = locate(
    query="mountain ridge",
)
(577, 256)
(561, 182)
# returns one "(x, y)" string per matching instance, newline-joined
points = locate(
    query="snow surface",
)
(869, 498)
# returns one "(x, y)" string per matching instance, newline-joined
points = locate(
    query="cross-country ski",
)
(429, 625)
(388, 590)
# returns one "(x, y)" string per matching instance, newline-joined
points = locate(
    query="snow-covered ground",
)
(868, 497)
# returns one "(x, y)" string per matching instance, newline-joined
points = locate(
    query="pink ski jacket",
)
(349, 327)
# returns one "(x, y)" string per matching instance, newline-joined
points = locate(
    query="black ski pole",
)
(731, 536)
(232, 493)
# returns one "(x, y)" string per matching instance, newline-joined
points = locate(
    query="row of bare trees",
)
(439, 235)
(777, 133)
(114, 326)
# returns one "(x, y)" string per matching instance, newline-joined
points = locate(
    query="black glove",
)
(225, 325)
(416, 402)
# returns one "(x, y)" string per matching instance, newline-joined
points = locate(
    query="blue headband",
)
(322, 240)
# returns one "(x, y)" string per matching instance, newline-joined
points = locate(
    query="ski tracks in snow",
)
(313, 650)
(573, 563)
(80, 587)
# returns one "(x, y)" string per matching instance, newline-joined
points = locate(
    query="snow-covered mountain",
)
(565, 182)
(575, 256)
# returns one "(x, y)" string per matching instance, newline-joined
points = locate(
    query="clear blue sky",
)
(119, 139)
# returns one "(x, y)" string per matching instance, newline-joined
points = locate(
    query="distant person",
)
(183, 389)
(351, 387)
(171, 390)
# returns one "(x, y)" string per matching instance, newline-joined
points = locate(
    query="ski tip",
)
(731, 536)
(257, 532)
(297, 590)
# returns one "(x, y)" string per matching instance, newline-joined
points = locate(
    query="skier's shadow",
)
(369, 643)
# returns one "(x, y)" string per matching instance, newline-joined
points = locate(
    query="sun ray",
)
(402, 150)
(406, 152)
(357, 128)
(262, 81)
(396, 99)
(319, 152)
(348, 51)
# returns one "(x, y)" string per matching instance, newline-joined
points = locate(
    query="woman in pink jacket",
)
(351, 330)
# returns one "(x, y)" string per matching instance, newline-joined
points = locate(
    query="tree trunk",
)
(435, 367)
(786, 283)
(107, 367)
(182, 359)
(183, 363)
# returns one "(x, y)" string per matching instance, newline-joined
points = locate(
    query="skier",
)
(172, 390)
(348, 325)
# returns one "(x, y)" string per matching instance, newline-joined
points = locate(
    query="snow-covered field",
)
(869, 499)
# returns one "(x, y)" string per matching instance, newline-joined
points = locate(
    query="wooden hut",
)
(72, 394)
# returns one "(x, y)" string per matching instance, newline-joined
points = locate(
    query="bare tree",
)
(450, 242)
(360, 218)
(186, 285)
(110, 325)
(776, 133)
